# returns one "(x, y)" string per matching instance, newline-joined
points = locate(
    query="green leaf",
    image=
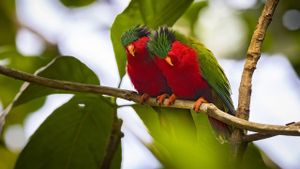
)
(176, 149)
(76, 3)
(116, 162)
(175, 144)
(165, 121)
(253, 159)
(152, 13)
(74, 136)
(7, 21)
(18, 114)
(61, 68)
(7, 159)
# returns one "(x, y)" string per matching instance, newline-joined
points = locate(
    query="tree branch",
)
(207, 108)
(253, 55)
(260, 136)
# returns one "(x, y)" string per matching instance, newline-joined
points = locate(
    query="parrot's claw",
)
(171, 100)
(161, 98)
(144, 97)
(198, 103)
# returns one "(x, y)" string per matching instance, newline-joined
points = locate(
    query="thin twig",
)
(208, 108)
(253, 55)
(261, 136)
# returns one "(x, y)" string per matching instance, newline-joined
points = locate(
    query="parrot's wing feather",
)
(214, 74)
(211, 71)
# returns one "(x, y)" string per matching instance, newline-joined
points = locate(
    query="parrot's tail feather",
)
(222, 130)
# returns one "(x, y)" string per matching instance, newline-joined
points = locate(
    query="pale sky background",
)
(84, 33)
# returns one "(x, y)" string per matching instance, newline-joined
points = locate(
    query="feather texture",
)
(192, 72)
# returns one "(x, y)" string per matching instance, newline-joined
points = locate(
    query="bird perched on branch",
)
(148, 80)
(192, 72)
(143, 72)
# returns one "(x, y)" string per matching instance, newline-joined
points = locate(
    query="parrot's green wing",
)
(211, 72)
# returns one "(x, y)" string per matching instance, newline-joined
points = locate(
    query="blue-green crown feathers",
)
(134, 34)
(160, 42)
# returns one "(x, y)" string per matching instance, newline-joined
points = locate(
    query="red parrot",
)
(192, 72)
(143, 72)
(148, 80)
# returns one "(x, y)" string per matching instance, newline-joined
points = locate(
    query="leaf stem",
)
(113, 142)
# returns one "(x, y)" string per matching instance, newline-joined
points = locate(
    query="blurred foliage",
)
(8, 28)
(7, 158)
(67, 139)
(190, 18)
(175, 144)
(177, 147)
(279, 38)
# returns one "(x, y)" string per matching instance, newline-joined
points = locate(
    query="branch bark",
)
(260, 136)
(206, 108)
(253, 55)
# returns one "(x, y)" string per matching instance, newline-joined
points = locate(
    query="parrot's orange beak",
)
(131, 49)
(169, 61)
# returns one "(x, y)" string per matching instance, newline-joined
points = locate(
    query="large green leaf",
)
(62, 68)
(152, 13)
(165, 121)
(186, 151)
(18, 114)
(116, 162)
(174, 143)
(74, 136)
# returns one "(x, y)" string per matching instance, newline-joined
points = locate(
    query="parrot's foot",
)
(161, 98)
(171, 100)
(198, 103)
(144, 97)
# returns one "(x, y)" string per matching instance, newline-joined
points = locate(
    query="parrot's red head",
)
(160, 45)
(134, 40)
